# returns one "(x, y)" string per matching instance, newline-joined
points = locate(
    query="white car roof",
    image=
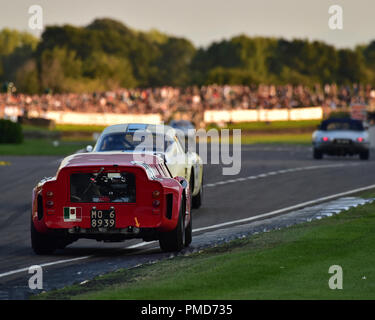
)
(131, 127)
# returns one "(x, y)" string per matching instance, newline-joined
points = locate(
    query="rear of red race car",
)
(110, 197)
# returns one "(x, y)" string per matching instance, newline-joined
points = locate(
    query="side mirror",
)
(89, 148)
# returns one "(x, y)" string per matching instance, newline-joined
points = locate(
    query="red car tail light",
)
(49, 204)
(360, 139)
(156, 203)
(156, 194)
(325, 139)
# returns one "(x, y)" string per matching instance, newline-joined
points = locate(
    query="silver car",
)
(341, 137)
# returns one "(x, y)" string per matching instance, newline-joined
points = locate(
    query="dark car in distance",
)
(341, 137)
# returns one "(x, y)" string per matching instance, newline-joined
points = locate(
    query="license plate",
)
(343, 141)
(103, 218)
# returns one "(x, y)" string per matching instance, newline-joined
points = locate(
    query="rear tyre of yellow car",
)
(198, 199)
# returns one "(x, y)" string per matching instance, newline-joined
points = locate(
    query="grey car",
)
(341, 137)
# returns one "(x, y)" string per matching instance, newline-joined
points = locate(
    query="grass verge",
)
(299, 139)
(291, 263)
(79, 128)
(246, 126)
(255, 126)
(42, 147)
(271, 139)
(276, 126)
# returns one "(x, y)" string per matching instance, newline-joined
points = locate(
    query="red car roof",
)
(108, 159)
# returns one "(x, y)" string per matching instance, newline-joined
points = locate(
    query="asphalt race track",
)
(271, 178)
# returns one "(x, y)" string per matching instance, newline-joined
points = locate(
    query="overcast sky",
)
(205, 21)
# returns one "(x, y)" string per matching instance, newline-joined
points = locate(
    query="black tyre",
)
(191, 186)
(317, 154)
(198, 199)
(364, 155)
(42, 243)
(189, 232)
(174, 240)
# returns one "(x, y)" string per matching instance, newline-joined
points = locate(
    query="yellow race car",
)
(156, 139)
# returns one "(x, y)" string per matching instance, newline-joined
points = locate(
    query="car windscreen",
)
(134, 141)
(182, 125)
(332, 125)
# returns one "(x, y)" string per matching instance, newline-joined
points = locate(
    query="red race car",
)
(111, 197)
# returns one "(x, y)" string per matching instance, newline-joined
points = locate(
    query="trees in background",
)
(106, 54)
(16, 54)
(245, 60)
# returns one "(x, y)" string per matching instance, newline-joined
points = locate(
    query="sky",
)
(206, 21)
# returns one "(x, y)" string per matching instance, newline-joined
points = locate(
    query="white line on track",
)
(224, 224)
(276, 212)
(273, 173)
(9, 273)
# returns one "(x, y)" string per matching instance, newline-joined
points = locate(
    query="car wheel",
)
(42, 243)
(364, 155)
(189, 232)
(197, 199)
(174, 240)
(191, 187)
(317, 154)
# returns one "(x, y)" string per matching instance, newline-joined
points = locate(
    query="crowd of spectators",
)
(167, 100)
